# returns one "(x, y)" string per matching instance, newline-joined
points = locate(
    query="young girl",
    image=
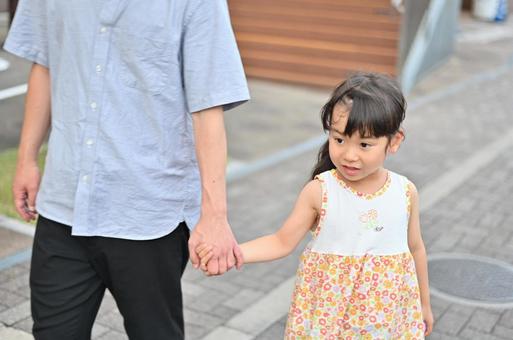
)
(364, 273)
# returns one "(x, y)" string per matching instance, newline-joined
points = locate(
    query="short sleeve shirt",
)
(125, 78)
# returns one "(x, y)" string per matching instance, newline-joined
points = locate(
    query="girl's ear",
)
(396, 141)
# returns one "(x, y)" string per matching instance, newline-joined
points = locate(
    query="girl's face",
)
(358, 158)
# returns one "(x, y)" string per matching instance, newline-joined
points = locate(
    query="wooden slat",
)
(322, 28)
(313, 32)
(324, 46)
(355, 8)
(293, 62)
(317, 14)
(318, 54)
(315, 42)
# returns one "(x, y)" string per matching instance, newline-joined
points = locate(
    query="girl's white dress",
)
(356, 278)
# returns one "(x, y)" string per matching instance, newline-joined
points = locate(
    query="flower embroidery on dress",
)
(369, 220)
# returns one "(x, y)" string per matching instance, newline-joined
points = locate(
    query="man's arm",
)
(213, 227)
(35, 127)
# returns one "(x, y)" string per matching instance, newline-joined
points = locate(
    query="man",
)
(134, 93)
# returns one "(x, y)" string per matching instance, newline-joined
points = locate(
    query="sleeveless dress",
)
(356, 278)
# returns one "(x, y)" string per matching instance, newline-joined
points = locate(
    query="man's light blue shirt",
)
(125, 77)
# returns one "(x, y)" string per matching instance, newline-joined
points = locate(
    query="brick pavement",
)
(440, 135)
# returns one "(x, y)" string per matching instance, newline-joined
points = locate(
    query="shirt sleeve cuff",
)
(30, 54)
(227, 100)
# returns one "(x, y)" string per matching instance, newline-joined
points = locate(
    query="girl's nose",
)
(350, 154)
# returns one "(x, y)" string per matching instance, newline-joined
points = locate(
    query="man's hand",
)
(216, 234)
(25, 187)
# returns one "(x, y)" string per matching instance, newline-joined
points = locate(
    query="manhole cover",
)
(470, 279)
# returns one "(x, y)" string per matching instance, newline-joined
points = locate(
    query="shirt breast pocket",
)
(146, 63)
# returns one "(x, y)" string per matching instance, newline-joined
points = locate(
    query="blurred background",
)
(454, 60)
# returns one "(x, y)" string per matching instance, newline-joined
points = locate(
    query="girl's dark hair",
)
(376, 108)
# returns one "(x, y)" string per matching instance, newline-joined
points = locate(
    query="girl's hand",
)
(427, 314)
(205, 253)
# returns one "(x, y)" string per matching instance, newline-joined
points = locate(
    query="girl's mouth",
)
(351, 171)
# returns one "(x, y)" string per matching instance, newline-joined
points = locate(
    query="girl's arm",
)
(285, 240)
(418, 251)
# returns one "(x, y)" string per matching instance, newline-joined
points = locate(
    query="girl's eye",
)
(339, 140)
(365, 145)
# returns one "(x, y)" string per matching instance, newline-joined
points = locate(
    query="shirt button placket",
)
(92, 122)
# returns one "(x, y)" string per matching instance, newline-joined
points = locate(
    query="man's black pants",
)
(69, 275)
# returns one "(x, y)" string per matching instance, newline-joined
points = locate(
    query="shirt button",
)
(85, 178)
(89, 142)
(103, 29)
(98, 68)
(93, 105)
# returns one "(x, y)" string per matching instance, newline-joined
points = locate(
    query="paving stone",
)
(192, 275)
(209, 300)
(24, 290)
(112, 320)
(9, 299)
(435, 335)
(275, 331)
(113, 335)
(484, 320)
(461, 310)
(98, 330)
(250, 282)
(446, 242)
(108, 305)
(473, 335)
(16, 313)
(503, 332)
(12, 243)
(8, 333)
(471, 241)
(202, 319)
(192, 289)
(12, 272)
(451, 323)
(243, 299)
(227, 333)
(194, 332)
(506, 319)
(225, 312)
(16, 283)
(220, 283)
(24, 325)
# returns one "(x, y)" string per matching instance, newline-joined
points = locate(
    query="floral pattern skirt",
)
(355, 297)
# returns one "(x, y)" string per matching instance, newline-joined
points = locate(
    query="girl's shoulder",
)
(324, 175)
(408, 186)
(312, 193)
(401, 178)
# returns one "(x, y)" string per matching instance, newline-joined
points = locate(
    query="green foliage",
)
(7, 169)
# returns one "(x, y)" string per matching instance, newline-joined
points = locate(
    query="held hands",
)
(224, 250)
(205, 253)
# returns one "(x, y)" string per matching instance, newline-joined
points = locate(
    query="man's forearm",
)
(211, 152)
(37, 114)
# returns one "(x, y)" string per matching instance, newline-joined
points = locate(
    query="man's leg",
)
(66, 292)
(145, 280)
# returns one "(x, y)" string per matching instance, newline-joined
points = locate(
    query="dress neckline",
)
(363, 195)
